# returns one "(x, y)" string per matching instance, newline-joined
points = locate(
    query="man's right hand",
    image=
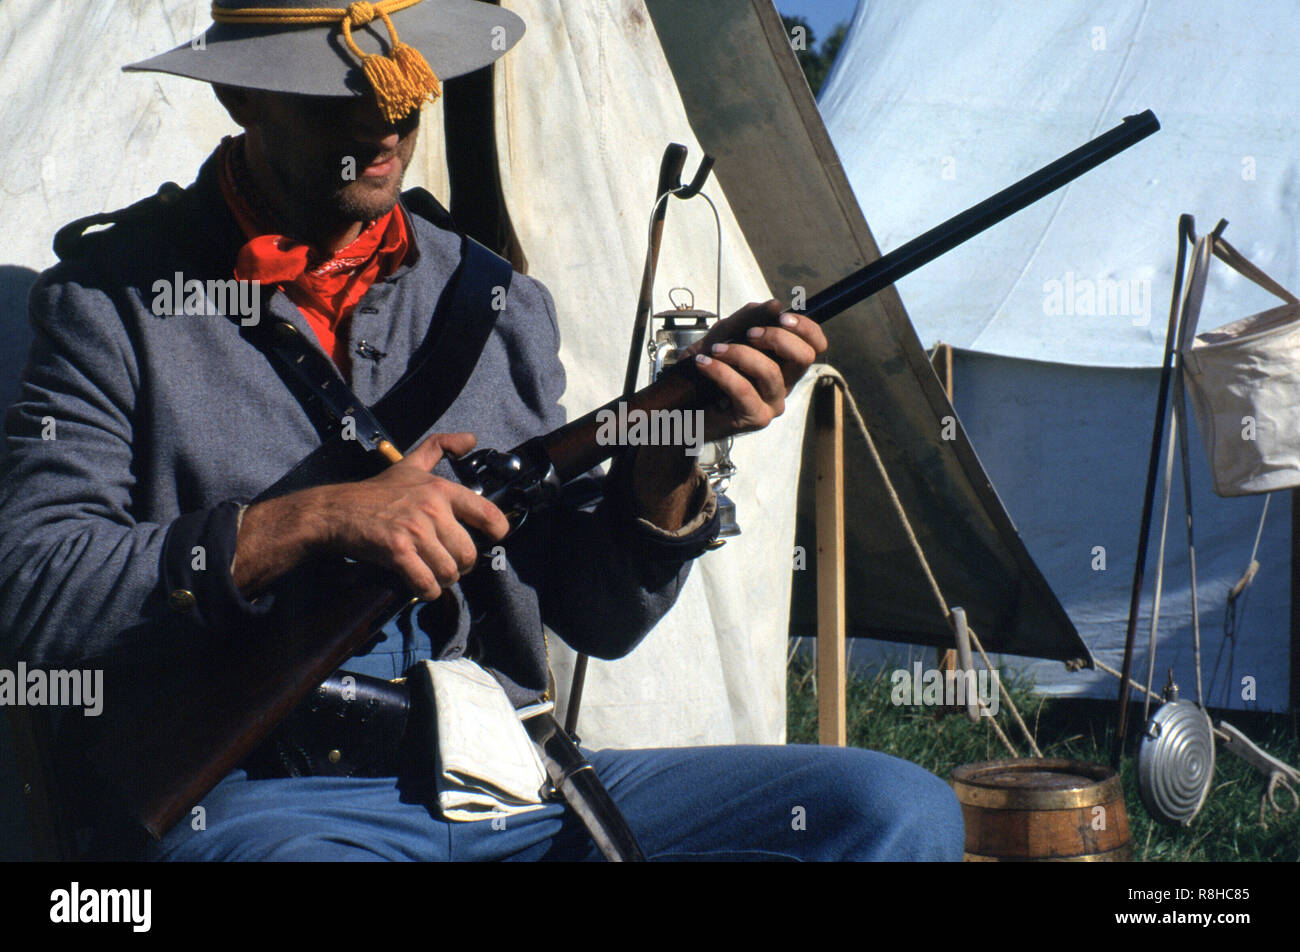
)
(405, 519)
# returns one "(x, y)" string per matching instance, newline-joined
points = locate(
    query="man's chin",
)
(366, 201)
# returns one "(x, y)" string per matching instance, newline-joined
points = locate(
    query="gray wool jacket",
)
(137, 437)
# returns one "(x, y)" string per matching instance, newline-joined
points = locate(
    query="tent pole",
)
(832, 680)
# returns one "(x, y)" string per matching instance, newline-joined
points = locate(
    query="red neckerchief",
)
(325, 289)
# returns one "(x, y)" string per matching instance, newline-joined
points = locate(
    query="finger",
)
(416, 574)
(441, 542)
(434, 552)
(456, 541)
(473, 510)
(764, 372)
(734, 326)
(794, 354)
(806, 328)
(748, 409)
(428, 453)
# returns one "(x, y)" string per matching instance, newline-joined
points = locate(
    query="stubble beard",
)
(364, 200)
(354, 202)
(326, 202)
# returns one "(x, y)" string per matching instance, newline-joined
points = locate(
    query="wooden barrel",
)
(1042, 811)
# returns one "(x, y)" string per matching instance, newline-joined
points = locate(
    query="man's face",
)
(331, 159)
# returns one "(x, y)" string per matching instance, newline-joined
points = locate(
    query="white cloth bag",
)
(1245, 382)
(487, 766)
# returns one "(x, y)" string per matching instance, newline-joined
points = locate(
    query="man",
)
(140, 523)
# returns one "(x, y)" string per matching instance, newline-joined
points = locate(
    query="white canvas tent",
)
(1060, 312)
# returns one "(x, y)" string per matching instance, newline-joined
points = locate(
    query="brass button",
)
(181, 600)
(334, 756)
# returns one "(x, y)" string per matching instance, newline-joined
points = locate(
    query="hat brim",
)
(455, 37)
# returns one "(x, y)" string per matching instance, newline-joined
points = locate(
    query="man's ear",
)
(238, 102)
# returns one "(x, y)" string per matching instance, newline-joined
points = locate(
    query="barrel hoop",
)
(1104, 789)
(1121, 854)
(1010, 798)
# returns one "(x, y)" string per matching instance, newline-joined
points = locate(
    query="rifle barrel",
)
(905, 259)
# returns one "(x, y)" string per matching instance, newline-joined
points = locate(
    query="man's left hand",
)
(757, 375)
(754, 378)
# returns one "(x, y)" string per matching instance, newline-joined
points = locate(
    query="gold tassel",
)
(402, 81)
(418, 71)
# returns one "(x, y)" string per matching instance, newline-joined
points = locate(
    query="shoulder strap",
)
(443, 363)
(1243, 265)
(438, 372)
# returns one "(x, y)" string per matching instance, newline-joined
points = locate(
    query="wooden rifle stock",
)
(171, 728)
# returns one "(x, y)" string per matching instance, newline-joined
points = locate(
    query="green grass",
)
(1227, 828)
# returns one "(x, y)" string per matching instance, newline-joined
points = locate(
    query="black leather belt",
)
(353, 725)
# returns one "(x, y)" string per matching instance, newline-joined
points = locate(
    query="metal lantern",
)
(673, 332)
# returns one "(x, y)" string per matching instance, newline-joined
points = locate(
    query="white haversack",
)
(1245, 382)
(486, 763)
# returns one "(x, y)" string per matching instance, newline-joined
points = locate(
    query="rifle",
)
(162, 745)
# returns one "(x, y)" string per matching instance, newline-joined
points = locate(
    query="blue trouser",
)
(744, 802)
